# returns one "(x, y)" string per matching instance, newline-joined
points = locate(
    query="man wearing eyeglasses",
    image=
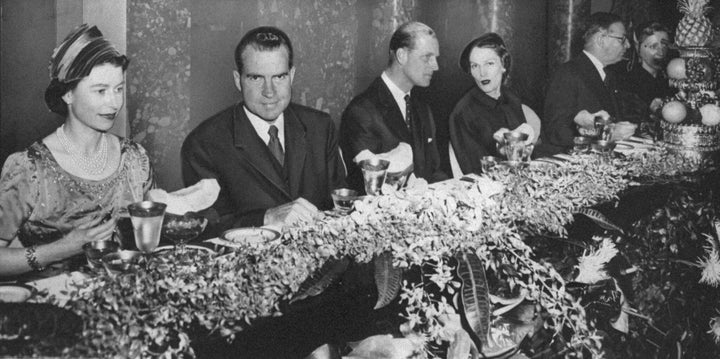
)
(582, 89)
(277, 162)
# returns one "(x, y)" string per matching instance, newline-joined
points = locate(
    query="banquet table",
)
(658, 224)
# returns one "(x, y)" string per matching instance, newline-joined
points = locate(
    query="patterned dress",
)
(40, 202)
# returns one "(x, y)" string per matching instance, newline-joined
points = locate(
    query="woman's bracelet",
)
(32, 260)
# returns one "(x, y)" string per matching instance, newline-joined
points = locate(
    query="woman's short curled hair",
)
(647, 29)
(492, 41)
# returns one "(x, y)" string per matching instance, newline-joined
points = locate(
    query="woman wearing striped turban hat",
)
(69, 188)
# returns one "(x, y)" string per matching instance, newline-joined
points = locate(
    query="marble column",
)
(566, 20)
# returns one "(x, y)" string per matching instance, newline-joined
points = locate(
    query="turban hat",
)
(82, 50)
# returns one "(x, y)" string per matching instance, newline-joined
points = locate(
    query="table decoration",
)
(455, 231)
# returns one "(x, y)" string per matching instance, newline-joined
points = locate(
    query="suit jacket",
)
(576, 86)
(227, 147)
(474, 120)
(373, 121)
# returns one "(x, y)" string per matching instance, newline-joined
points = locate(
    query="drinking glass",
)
(181, 229)
(343, 199)
(603, 128)
(581, 144)
(147, 219)
(487, 163)
(95, 250)
(515, 147)
(374, 172)
(121, 262)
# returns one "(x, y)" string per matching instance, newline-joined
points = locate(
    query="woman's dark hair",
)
(263, 38)
(490, 40)
(647, 29)
(57, 89)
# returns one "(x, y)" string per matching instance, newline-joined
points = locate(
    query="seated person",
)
(277, 162)
(68, 188)
(581, 89)
(646, 77)
(488, 109)
(385, 115)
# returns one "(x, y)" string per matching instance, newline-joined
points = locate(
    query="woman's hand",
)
(92, 231)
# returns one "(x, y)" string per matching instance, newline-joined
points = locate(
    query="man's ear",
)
(236, 77)
(402, 55)
(291, 74)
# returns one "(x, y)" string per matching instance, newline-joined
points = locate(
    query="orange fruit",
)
(674, 112)
(676, 69)
(710, 114)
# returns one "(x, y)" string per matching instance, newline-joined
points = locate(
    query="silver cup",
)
(515, 148)
(374, 172)
(147, 219)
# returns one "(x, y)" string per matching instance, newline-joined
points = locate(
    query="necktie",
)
(274, 145)
(408, 111)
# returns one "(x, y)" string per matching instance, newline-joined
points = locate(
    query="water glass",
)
(581, 144)
(374, 172)
(343, 199)
(147, 219)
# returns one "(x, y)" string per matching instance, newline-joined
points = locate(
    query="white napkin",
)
(400, 157)
(190, 199)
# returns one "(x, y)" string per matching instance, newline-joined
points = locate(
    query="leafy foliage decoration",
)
(388, 279)
(169, 303)
(318, 282)
(599, 219)
(475, 295)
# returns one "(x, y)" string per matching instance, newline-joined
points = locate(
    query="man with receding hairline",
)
(387, 115)
(276, 161)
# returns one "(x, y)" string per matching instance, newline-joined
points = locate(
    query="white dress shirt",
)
(262, 127)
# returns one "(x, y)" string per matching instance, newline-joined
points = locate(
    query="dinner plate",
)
(15, 292)
(248, 236)
(188, 247)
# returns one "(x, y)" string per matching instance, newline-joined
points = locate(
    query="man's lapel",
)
(295, 150)
(255, 150)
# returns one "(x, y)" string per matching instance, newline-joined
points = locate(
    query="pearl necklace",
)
(92, 165)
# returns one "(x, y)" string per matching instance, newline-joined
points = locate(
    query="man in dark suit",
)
(385, 115)
(581, 89)
(276, 161)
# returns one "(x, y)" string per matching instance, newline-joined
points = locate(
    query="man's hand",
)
(299, 210)
(586, 119)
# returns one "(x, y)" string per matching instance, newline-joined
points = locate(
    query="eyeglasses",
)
(623, 39)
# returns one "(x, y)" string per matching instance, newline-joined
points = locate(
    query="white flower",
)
(715, 328)
(711, 268)
(592, 266)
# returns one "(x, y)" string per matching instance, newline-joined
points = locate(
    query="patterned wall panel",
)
(324, 39)
(158, 92)
(565, 21)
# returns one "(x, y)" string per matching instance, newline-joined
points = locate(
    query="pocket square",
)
(429, 139)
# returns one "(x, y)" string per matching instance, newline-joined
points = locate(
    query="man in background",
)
(581, 88)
